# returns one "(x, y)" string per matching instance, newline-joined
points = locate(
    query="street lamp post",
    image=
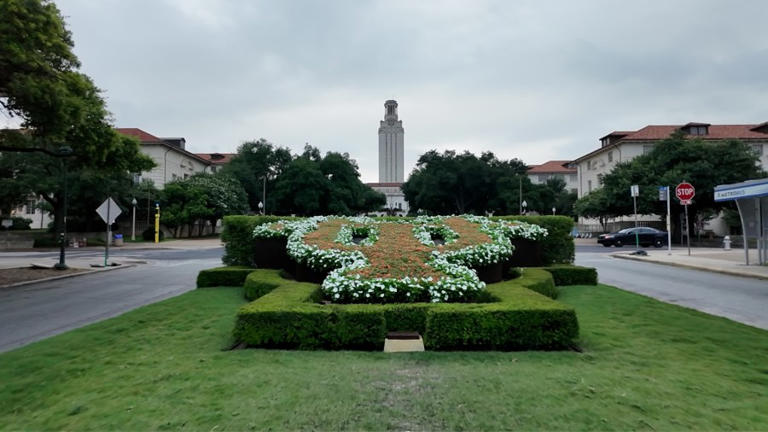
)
(64, 151)
(263, 203)
(554, 210)
(524, 205)
(261, 207)
(133, 222)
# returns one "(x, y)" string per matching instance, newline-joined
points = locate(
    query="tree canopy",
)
(60, 109)
(453, 183)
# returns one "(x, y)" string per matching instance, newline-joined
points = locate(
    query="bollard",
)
(727, 243)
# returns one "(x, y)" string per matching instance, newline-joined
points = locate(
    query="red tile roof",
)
(138, 133)
(217, 158)
(716, 132)
(555, 166)
(660, 132)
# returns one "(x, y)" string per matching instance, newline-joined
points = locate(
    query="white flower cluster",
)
(425, 232)
(523, 230)
(311, 255)
(265, 231)
(347, 233)
(485, 253)
(459, 283)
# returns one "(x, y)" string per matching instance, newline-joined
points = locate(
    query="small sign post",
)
(685, 193)
(664, 196)
(634, 190)
(109, 211)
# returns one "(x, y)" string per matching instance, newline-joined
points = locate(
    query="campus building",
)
(172, 160)
(562, 169)
(622, 146)
(391, 160)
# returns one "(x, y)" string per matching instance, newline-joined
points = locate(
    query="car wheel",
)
(658, 243)
(618, 243)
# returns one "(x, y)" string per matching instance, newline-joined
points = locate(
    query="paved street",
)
(738, 298)
(33, 312)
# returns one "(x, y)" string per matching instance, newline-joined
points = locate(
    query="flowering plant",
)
(522, 230)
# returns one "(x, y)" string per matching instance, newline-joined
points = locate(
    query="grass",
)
(645, 365)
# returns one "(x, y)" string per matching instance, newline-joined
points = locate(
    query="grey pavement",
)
(33, 312)
(738, 298)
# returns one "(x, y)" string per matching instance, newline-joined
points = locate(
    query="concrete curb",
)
(66, 276)
(690, 266)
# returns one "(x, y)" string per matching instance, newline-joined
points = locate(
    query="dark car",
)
(647, 236)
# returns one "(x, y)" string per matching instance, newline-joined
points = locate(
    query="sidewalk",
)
(715, 260)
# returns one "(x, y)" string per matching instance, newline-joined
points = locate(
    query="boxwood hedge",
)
(223, 276)
(572, 275)
(288, 315)
(237, 235)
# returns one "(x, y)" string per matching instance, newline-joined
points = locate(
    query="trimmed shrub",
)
(288, 316)
(223, 276)
(258, 284)
(557, 247)
(573, 275)
(237, 234)
(539, 281)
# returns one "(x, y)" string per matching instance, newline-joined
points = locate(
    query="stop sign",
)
(685, 192)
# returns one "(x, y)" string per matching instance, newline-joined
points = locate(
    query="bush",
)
(573, 275)
(258, 284)
(557, 247)
(223, 276)
(237, 235)
(288, 316)
(149, 234)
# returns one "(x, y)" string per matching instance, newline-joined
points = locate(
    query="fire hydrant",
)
(727, 242)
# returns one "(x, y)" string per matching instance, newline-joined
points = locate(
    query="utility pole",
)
(520, 194)
(264, 194)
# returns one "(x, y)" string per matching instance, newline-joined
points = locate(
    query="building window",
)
(647, 148)
(589, 186)
(697, 130)
(610, 156)
(758, 149)
(574, 190)
(572, 177)
(31, 207)
(600, 179)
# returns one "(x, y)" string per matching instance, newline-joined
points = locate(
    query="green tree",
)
(312, 184)
(255, 161)
(60, 108)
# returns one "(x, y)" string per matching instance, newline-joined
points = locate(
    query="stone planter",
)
(527, 254)
(491, 273)
(270, 253)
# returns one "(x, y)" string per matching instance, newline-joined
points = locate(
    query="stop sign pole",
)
(685, 193)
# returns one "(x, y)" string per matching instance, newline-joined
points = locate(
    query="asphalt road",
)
(741, 299)
(34, 312)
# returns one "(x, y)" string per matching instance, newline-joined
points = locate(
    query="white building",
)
(562, 169)
(391, 160)
(172, 160)
(622, 146)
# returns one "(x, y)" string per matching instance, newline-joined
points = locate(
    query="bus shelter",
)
(752, 201)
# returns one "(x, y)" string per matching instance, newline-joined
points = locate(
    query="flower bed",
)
(397, 262)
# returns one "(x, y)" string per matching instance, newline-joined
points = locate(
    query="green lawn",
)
(646, 365)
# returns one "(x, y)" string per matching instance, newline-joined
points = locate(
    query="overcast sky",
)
(528, 79)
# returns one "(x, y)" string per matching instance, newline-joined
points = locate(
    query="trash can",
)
(118, 240)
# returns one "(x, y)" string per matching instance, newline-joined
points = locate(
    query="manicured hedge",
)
(573, 275)
(540, 281)
(237, 234)
(223, 276)
(557, 247)
(258, 284)
(289, 316)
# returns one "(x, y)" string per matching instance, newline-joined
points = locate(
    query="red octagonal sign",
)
(685, 193)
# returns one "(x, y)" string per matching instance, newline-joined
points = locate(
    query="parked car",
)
(647, 236)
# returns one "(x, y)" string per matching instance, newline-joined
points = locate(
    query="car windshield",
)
(626, 231)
